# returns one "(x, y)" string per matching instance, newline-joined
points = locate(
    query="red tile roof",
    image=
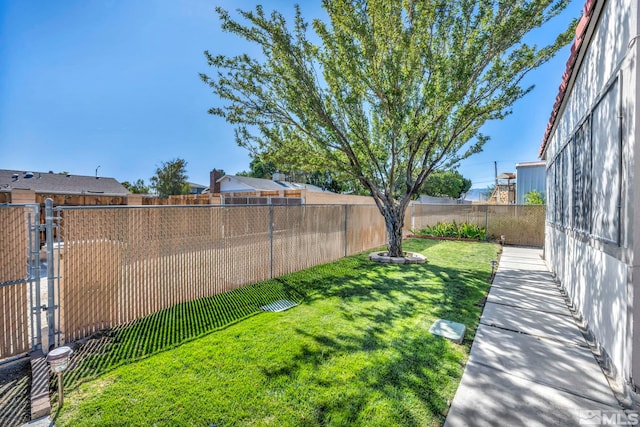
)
(587, 13)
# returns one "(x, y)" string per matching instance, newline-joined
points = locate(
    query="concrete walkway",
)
(529, 363)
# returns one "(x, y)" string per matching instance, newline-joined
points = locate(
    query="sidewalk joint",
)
(568, 314)
(560, 341)
(546, 384)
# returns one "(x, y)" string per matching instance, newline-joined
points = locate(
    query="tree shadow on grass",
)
(393, 308)
(415, 378)
(169, 328)
(184, 322)
(405, 289)
(452, 292)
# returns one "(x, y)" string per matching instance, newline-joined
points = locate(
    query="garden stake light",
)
(494, 264)
(58, 359)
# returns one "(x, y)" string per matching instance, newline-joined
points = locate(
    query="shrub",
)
(533, 197)
(463, 230)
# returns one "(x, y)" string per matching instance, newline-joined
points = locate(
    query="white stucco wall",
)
(595, 267)
(597, 286)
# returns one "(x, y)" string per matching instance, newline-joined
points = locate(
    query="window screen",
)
(605, 194)
(582, 177)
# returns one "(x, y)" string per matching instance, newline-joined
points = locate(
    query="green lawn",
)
(356, 351)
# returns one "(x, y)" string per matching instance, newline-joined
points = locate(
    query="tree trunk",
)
(394, 220)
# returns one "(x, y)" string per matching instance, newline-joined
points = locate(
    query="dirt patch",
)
(90, 358)
(15, 393)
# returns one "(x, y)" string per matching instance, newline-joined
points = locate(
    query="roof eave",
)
(584, 32)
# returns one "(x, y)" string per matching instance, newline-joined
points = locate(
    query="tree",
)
(327, 180)
(260, 169)
(391, 92)
(171, 178)
(138, 187)
(449, 183)
(533, 197)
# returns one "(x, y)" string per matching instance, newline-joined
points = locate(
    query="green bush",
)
(463, 230)
(533, 197)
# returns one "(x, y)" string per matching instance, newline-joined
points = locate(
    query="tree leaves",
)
(171, 178)
(389, 92)
(449, 183)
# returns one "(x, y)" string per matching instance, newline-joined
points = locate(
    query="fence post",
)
(346, 230)
(34, 235)
(271, 239)
(51, 302)
(486, 222)
(413, 217)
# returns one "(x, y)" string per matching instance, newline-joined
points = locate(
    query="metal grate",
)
(278, 306)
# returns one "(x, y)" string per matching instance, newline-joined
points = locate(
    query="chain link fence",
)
(15, 305)
(118, 264)
(123, 263)
(521, 225)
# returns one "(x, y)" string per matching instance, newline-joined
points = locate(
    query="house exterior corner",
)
(592, 236)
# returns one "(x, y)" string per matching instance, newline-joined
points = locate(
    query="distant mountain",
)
(477, 195)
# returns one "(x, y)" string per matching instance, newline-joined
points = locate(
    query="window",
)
(606, 179)
(551, 193)
(559, 200)
(582, 177)
(565, 186)
(585, 178)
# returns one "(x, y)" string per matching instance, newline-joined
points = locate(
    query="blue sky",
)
(114, 84)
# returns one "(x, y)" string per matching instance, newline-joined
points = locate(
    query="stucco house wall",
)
(589, 152)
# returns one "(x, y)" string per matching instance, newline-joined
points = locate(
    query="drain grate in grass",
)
(280, 305)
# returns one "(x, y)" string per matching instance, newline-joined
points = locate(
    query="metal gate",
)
(28, 302)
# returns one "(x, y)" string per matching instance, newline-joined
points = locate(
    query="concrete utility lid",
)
(280, 305)
(448, 329)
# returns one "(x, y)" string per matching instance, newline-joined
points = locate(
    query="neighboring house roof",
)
(577, 52)
(260, 184)
(44, 182)
(196, 188)
(507, 175)
(194, 185)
